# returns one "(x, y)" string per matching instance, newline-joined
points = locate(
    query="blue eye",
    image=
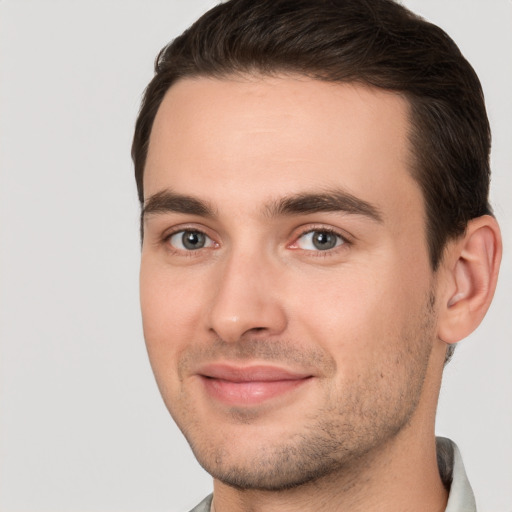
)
(319, 240)
(190, 240)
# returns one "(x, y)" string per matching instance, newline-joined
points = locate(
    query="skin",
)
(359, 323)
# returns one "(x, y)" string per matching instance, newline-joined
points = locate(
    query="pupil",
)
(324, 241)
(193, 240)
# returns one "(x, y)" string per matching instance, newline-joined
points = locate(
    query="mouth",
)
(249, 385)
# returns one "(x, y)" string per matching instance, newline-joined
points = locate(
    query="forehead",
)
(244, 138)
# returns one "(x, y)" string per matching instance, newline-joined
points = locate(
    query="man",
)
(317, 236)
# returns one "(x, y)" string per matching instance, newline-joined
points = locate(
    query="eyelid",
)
(208, 242)
(169, 233)
(345, 238)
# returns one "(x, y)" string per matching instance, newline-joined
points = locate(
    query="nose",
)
(247, 300)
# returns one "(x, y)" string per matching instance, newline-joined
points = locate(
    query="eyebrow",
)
(167, 201)
(329, 201)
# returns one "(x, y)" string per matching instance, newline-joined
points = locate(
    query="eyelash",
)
(166, 238)
(345, 241)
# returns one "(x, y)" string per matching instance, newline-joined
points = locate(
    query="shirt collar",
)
(451, 467)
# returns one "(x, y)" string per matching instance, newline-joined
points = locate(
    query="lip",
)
(249, 385)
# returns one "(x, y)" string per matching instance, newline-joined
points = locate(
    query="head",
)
(313, 176)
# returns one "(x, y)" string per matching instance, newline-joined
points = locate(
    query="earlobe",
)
(471, 270)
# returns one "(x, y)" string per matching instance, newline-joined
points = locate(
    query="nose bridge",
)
(246, 298)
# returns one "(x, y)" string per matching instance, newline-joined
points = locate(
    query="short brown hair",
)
(375, 42)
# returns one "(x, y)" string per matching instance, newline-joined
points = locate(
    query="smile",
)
(248, 386)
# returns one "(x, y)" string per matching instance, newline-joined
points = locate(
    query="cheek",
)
(170, 306)
(358, 310)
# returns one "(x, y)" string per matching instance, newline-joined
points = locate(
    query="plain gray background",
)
(82, 425)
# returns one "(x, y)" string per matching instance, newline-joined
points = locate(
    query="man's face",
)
(286, 292)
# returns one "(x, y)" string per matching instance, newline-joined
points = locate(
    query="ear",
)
(470, 270)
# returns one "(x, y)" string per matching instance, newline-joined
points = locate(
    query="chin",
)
(291, 461)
